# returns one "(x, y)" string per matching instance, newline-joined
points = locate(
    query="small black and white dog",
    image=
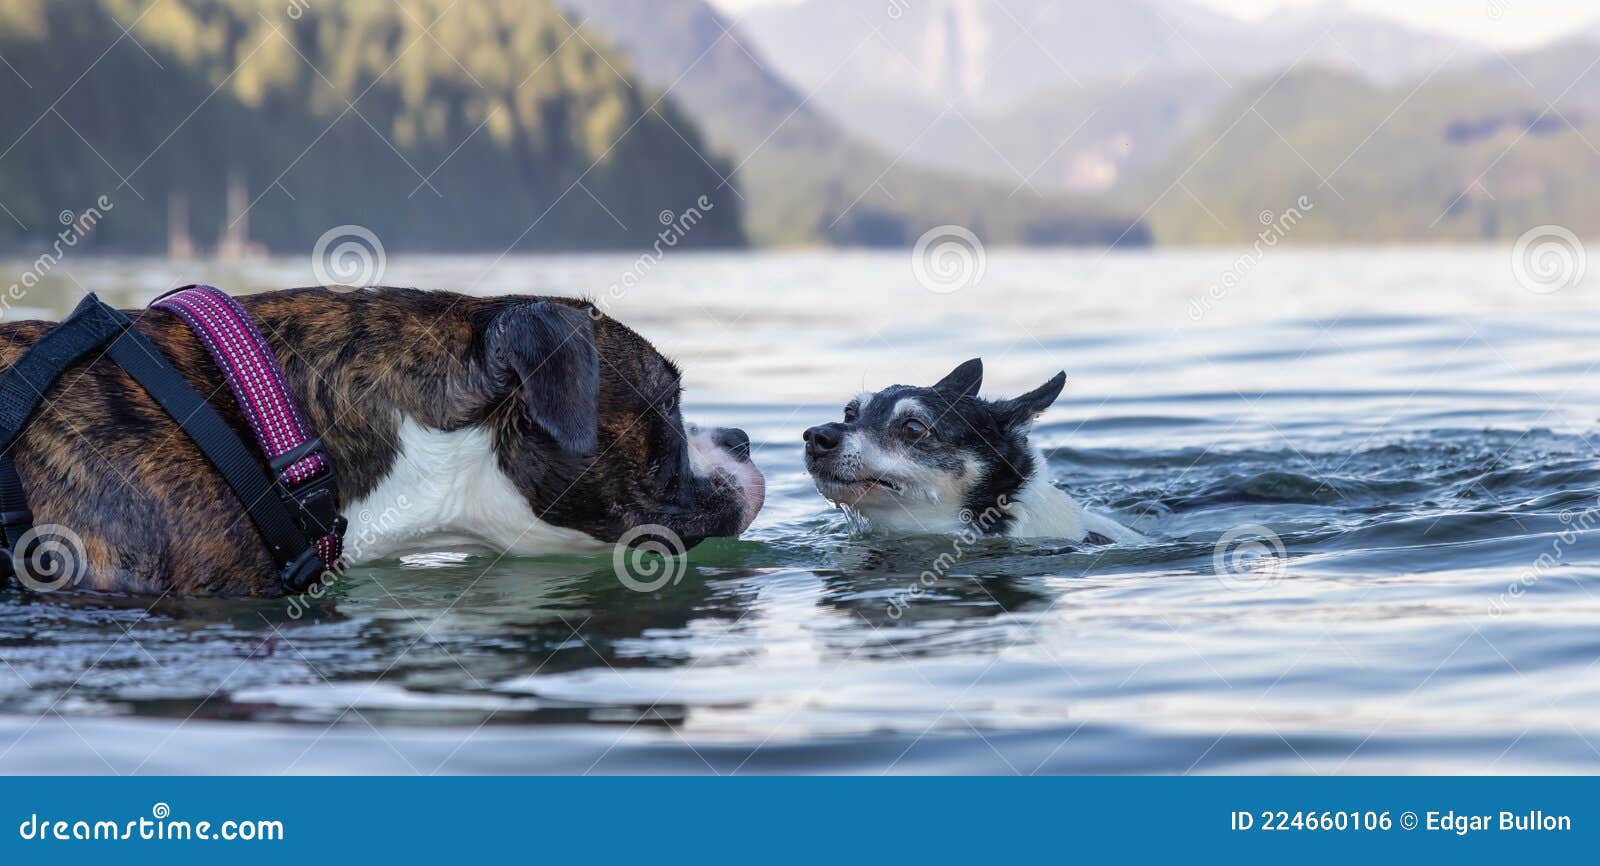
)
(941, 460)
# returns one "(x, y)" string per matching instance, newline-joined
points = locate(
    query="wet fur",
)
(103, 459)
(973, 470)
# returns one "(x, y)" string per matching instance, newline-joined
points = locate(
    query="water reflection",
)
(1415, 466)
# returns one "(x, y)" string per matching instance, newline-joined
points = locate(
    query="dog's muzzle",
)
(726, 451)
(822, 439)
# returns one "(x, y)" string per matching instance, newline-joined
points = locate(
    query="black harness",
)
(290, 518)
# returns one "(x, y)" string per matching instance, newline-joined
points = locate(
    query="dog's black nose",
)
(734, 441)
(823, 438)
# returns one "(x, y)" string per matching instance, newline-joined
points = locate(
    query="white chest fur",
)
(446, 492)
(1042, 510)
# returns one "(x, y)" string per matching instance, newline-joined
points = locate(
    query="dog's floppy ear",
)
(1021, 410)
(963, 381)
(546, 351)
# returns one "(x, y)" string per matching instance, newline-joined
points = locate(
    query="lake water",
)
(1412, 426)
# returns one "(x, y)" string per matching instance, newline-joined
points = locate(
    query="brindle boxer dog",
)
(519, 425)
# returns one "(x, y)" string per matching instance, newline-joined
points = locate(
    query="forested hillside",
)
(1469, 155)
(436, 124)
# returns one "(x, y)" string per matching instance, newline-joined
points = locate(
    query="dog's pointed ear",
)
(1020, 411)
(963, 381)
(545, 352)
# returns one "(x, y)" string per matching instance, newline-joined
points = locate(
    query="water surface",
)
(1411, 426)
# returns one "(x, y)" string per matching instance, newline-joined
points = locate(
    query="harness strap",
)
(22, 388)
(136, 354)
(259, 386)
(15, 518)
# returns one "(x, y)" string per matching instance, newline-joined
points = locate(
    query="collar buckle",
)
(313, 505)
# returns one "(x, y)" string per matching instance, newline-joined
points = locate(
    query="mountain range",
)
(998, 86)
(1201, 122)
(1473, 153)
(804, 177)
(561, 124)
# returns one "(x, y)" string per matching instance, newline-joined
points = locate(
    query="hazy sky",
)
(1505, 23)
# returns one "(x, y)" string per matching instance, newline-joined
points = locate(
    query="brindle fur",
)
(103, 459)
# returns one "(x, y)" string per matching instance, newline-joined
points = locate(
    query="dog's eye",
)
(914, 428)
(850, 413)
